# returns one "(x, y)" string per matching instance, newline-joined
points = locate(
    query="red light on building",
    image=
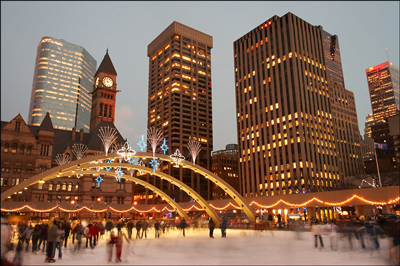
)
(269, 23)
(209, 83)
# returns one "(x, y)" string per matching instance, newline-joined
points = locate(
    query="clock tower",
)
(104, 93)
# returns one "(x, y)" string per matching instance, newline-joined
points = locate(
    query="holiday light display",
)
(164, 146)
(126, 151)
(107, 136)
(79, 150)
(142, 144)
(177, 157)
(62, 159)
(194, 148)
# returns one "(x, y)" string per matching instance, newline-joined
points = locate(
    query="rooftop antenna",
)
(387, 55)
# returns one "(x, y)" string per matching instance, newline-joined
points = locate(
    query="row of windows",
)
(14, 148)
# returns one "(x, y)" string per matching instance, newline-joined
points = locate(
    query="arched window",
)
(6, 146)
(77, 187)
(14, 147)
(29, 149)
(64, 186)
(58, 186)
(40, 185)
(70, 186)
(21, 149)
(51, 185)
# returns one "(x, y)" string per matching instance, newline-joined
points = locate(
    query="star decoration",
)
(99, 180)
(154, 163)
(119, 173)
(177, 157)
(126, 151)
(164, 147)
(79, 175)
(107, 167)
(131, 160)
(142, 144)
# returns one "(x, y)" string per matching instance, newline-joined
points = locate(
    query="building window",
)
(21, 149)
(40, 185)
(70, 186)
(29, 149)
(6, 147)
(51, 186)
(1, 181)
(44, 150)
(5, 182)
(49, 198)
(64, 186)
(120, 200)
(58, 186)
(14, 148)
(17, 125)
(77, 187)
(121, 185)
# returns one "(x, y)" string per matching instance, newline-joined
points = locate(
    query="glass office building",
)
(62, 82)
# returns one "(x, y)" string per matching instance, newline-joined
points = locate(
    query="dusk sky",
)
(364, 29)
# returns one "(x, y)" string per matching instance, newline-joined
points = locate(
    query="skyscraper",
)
(179, 97)
(62, 83)
(383, 85)
(297, 124)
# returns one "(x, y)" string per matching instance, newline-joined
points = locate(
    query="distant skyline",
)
(364, 30)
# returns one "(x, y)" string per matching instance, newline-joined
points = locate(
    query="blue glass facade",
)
(62, 82)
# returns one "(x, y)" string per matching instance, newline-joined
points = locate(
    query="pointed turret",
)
(46, 124)
(106, 66)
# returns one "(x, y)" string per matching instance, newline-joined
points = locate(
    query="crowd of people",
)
(51, 237)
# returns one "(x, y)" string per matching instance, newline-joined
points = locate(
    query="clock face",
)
(107, 81)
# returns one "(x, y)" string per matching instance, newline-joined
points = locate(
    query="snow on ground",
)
(240, 247)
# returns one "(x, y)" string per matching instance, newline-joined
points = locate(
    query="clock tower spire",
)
(104, 93)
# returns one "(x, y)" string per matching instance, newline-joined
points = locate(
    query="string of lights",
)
(154, 209)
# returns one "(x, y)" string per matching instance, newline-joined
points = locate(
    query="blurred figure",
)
(88, 235)
(94, 232)
(183, 225)
(52, 234)
(109, 226)
(157, 227)
(316, 231)
(67, 229)
(60, 239)
(43, 236)
(118, 244)
(138, 228)
(27, 236)
(211, 226)
(145, 226)
(35, 238)
(110, 245)
(79, 233)
(330, 230)
(223, 226)
(373, 230)
(6, 236)
(129, 227)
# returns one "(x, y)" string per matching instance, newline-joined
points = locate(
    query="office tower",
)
(384, 91)
(104, 93)
(179, 98)
(62, 83)
(225, 164)
(290, 99)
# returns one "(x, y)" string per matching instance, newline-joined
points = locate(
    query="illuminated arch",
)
(69, 168)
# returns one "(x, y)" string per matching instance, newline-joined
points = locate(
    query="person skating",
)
(27, 236)
(211, 226)
(6, 236)
(60, 239)
(316, 231)
(118, 245)
(223, 226)
(129, 227)
(52, 234)
(157, 227)
(67, 229)
(183, 225)
(145, 226)
(35, 238)
(138, 228)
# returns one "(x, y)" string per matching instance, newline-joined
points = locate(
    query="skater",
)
(145, 225)
(52, 234)
(67, 229)
(138, 227)
(79, 233)
(27, 236)
(316, 231)
(183, 225)
(60, 239)
(211, 226)
(129, 227)
(35, 238)
(157, 227)
(223, 227)
(110, 245)
(118, 244)
(6, 236)
(43, 237)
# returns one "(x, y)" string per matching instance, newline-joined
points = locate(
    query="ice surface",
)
(240, 247)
